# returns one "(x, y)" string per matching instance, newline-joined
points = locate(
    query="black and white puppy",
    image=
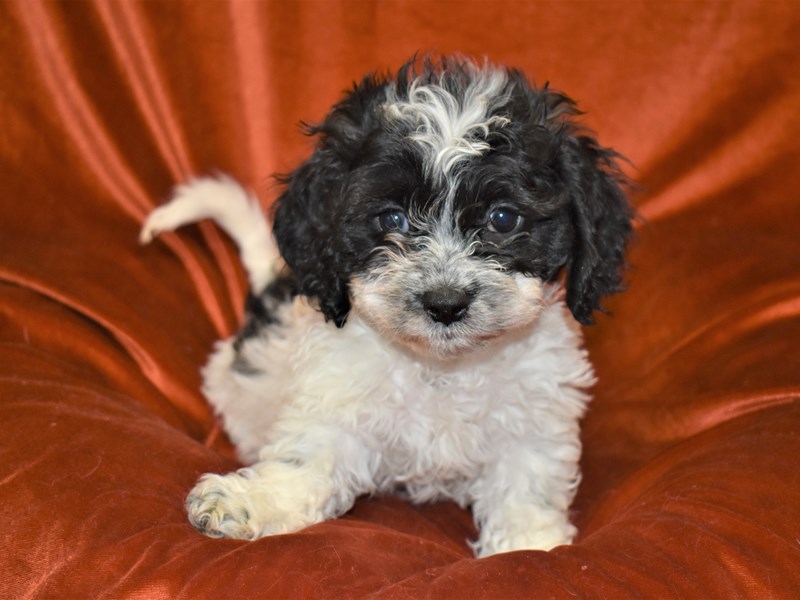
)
(452, 225)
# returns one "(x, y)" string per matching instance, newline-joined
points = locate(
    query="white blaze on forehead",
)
(451, 128)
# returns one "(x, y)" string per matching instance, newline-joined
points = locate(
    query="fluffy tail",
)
(235, 210)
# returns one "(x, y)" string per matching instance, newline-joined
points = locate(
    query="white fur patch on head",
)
(450, 127)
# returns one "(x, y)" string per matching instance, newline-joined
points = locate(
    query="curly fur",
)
(454, 222)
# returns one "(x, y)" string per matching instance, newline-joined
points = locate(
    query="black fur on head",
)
(525, 155)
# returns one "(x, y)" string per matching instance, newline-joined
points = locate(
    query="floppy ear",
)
(599, 216)
(304, 229)
(306, 219)
(601, 222)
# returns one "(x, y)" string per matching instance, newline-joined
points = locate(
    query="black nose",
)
(445, 305)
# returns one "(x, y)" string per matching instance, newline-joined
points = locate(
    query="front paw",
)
(531, 530)
(218, 506)
(266, 498)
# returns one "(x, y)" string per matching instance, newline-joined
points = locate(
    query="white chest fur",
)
(430, 426)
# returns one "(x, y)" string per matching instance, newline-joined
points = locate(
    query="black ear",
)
(305, 230)
(601, 221)
(307, 218)
(599, 215)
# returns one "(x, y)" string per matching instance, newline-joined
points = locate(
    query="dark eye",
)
(393, 220)
(504, 220)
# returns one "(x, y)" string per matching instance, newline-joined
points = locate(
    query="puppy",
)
(452, 225)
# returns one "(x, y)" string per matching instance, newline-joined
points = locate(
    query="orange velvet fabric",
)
(691, 485)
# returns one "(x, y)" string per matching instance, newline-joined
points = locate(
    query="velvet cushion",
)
(691, 485)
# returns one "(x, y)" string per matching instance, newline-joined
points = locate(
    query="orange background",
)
(690, 480)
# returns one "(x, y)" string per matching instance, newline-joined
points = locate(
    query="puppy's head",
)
(440, 200)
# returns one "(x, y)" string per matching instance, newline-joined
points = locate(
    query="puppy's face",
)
(439, 202)
(439, 290)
